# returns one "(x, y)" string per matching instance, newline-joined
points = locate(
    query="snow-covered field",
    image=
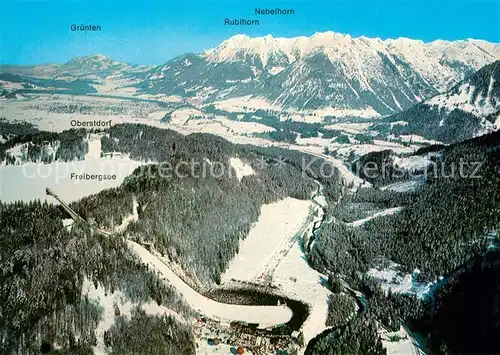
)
(412, 163)
(94, 145)
(298, 280)
(251, 103)
(404, 346)
(53, 112)
(391, 278)
(414, 138)
(367, 112)
(246, 103)
(265, 316)
(115, 87)
(281, 260)
(314, 141)
(361, 149)
(276, 228)
(345, 150)
(219, 125)
(350, 127)
(347, 175)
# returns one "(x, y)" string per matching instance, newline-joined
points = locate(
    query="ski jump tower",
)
(68, 209)
(73, 214)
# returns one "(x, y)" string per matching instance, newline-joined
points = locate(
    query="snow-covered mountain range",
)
(362, 76)
(325, 70)
(436, 62)
(471, 108)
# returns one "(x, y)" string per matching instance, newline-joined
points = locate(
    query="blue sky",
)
(153, 31)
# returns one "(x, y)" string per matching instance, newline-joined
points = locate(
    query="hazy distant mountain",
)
(99, 67)
(91, 68)
(469, 109)
(324, 70)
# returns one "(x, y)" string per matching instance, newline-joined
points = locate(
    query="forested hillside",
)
(442, 224)
(464, 316)
(469, 109)
(143, 335)
(40, 146)
(358, 337)
(193, 216)
(441, 229)
(42, 269)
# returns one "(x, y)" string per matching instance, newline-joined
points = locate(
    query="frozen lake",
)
(27, 182)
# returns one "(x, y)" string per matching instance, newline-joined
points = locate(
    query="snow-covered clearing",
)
(366, 112)
(386, 212)
(241, 168)
(265, 316)
(108, 302)
(10, 85)
(412, 163)
(245, 103)
(404, 346)
(157, 115)
(345, 150)
(391, 278)
(297, 280)
(404, 186)
(221, 126)
(133, 217)
(308, 117)
(314, 141)
(271, 249)
(160, 97)
(347, 175)
(272, 234)
(350, 127)
(94, 145)
(417, 139)
(109, 87)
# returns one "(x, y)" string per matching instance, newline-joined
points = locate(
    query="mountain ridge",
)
(327, 70)
(360, 76)
(469, 109)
